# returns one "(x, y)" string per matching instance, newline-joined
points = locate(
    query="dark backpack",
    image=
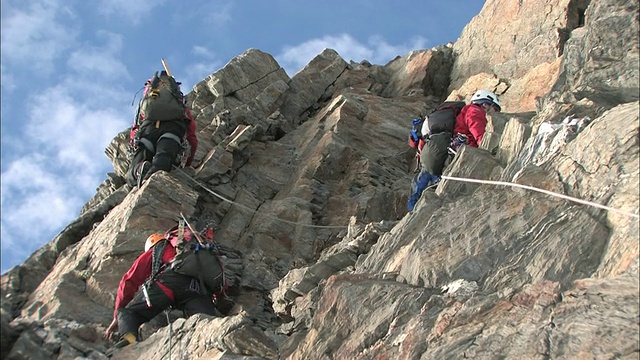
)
(441, 119)
(441, 123)
(197, 258)
(435, 153)
(162, 100)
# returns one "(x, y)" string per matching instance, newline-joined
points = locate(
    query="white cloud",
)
(57, 159)
(293, 58)
(131, 11)
(196, 71)
(202, 51)
(73, 130)
(376, 51)
(385, 52)
(56, 129)
(211, 13)
(9, 82)
(37, 34)
(17, 251)
(100, 61)
(35, 201)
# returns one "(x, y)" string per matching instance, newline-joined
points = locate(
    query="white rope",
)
(255, 211)
(585, 202)
(453, 178)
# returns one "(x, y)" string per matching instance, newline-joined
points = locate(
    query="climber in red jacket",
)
(138, 300)
(469, 129)
(472, 120)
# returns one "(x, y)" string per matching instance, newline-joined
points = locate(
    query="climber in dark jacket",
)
(158, 144)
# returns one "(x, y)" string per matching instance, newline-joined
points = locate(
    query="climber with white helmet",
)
(472, 120)
(438, 136)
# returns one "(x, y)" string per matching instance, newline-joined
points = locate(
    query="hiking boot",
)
(143, 170)
(125, 340)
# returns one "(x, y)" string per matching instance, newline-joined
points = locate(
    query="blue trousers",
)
(420, 181)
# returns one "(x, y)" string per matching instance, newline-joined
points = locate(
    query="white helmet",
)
(486, 96)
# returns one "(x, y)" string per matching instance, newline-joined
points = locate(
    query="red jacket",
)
(472, 122)
(138, 274)
(418, 146)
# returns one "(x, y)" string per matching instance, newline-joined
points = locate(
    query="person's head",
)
(487, 100)
(152, 240)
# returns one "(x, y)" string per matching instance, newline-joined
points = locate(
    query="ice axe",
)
(193, 232)
(166, 68)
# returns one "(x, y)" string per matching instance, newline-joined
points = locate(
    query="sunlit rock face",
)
(306, 180)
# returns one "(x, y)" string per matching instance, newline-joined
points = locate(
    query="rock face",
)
(520, 45)
(306, 181)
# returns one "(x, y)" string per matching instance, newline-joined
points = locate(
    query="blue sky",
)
(70, 69)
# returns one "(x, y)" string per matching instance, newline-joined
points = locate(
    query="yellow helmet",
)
(152, 240)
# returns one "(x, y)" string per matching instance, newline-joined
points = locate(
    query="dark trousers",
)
(165, 150)
(187, 298)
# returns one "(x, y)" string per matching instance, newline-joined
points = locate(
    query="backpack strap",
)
(203, 287)
(156, 262)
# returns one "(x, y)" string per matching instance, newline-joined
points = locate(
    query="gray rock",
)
(28, 347)
(309, 85)
(306, 180)
(603, 54)
(8, 335)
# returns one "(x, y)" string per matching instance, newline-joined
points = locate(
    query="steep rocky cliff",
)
(307, 180)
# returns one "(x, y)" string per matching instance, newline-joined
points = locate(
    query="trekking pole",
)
(166, 68)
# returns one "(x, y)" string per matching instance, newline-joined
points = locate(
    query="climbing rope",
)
(551, 193)
(255, 211)
(453, 178)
